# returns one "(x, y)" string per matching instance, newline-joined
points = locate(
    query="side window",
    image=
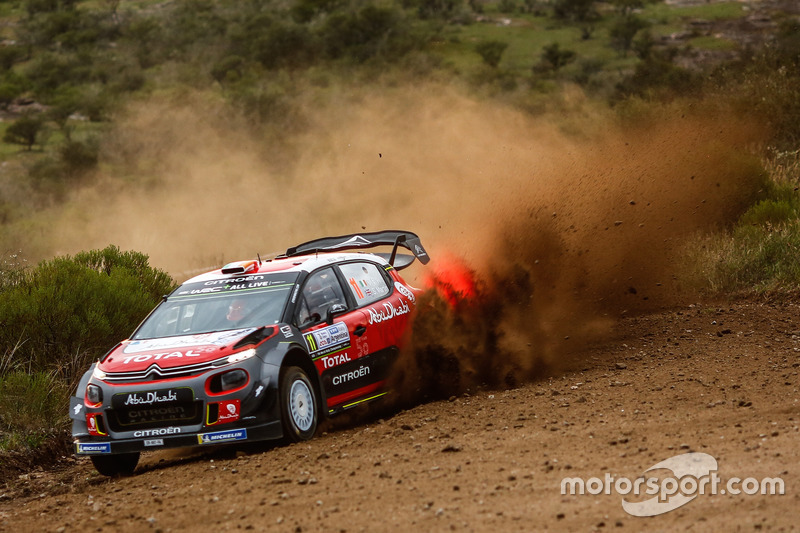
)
(365, 282)
(320, 291)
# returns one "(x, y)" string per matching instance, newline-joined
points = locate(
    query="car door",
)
(338, 348)
(385, 316)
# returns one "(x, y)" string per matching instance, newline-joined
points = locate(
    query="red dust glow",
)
(452, 279)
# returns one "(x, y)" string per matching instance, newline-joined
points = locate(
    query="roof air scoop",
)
(240, 267)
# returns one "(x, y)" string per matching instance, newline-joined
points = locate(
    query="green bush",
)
(755, 259)
(70, 310)
(760, 255)
(32, 403)
(553, 58)
(24, 131)
(79, 157)
(770, 213)
(491, 51)
(507, 6)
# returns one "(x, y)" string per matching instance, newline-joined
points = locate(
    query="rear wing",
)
(406, 239)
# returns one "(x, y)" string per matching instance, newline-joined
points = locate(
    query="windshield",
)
(219, 305)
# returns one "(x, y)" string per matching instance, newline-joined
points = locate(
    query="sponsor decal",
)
(356, 288)
(158, 356)
(136, 407)
(77, 408)
(94, 447)
(349, 376)
(222, 436)
(287, 331)
(93, 426)
(259, 390)
(228, 412)
(294, 293)
(154, 442)
(150, 398)
(217, 338)
(333, 360)
(327, 340)
(157, 432)
(144, 415)
(233, 281)
(405, 291)
(229, 284)
(388, 312)
(354, 241)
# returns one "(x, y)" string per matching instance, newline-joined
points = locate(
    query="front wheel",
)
(122, 464)
(298, 405)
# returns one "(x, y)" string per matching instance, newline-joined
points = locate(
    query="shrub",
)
(507, 6)
(574, 10)
(24, 131)
(284, 45)
(754, 259)
(623, 31)
(68, 311)
(553, 58)
(79, 157)
(370, 32)
(491, 51)
(760, 255)
(438, 9)
(9, 55)
(770, 213)
(32, 403)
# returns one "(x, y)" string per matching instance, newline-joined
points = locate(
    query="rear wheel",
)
(122, 464)
(298, 405)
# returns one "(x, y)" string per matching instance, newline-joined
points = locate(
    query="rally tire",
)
(122, 464)
(299, 408)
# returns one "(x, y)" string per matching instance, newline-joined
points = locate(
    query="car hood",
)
(172, 352)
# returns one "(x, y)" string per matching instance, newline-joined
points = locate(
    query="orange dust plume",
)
(539, 238)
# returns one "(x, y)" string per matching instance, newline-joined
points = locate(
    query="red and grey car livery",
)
(255, 350)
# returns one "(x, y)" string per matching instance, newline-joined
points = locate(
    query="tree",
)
(627, 7)
(438, 9)
(63, 105)
(553, 58)
(491, 51)
(79, 157)
(643, 45)
(23, 131)
(624, 30)
(575, 10)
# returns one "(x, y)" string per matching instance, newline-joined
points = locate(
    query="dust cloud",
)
(557, 233)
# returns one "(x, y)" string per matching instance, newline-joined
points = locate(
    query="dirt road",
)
(721, 380)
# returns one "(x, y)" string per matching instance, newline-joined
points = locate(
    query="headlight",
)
(94, 394)
(241, 356)
(98, 374)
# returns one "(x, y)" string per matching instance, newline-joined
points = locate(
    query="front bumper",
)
(101, 446)
(176, 413)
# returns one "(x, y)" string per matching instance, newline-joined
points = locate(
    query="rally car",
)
(255, 350)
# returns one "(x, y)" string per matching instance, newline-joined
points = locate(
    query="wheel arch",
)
(299, 358)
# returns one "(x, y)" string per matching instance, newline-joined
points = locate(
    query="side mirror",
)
(333, 310)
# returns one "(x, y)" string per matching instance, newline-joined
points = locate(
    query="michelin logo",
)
(222, 436)
(94, 447)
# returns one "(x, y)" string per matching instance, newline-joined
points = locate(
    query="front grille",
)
(156, 373)
(153, 408)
